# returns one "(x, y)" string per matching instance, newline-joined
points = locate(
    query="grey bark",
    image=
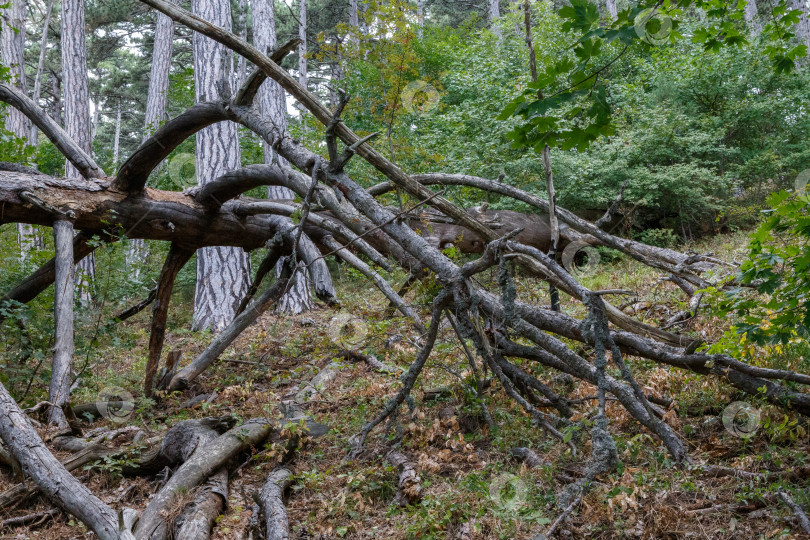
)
(272, 504)
(59, 389)
(12, 47)
(803, 27)
(43, 50)
(273, 106)
(206, 460)
(302, 47)
(155, 113)
(493, 14)
(77, 111)
(50, 476)
(751, 18)
(610, 5)
(117, 136)
(222, 272)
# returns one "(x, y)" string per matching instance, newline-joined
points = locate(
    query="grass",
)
(469, 481)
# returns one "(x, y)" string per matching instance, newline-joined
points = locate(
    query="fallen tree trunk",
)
(271, 500)
(203, 463)
(50, 476)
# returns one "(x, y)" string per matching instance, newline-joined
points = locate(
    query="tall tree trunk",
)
(222, 272)
(59, 389)
(420, 15)
(803, 28)
(56, 89)
(273, 105)
(302, 48)
(77, 111)
(43, 51)
(117, 137)
(612, 10)
(12, 46)
(242, 71)
(156, 100)
(493, 14)
(354, 15)
(751, 18)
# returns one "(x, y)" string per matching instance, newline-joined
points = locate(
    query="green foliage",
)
(770, 302)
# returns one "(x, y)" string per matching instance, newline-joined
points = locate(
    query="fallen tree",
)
(341, 218)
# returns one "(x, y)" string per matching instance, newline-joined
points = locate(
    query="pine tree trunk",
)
(43, 50)
(751, 18)
(612, 10)
(12, 44)
(354, 15)
(273, 105)
(77, 111)
(302, 48)
(803, 27)
(117, 137)
(156, 99)
(222, 272)
(493, 14)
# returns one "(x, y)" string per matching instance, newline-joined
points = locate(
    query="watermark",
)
(741, 419)
(183, 169)
(508, 492)
(115, 404)
(653, 27)
(580, 258)
(419, 97)
(347, 330)
(801, 182)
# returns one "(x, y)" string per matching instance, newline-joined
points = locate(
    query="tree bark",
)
(43, 52)
(222, 272)
(175, 261)
(77, 111)
(204, 462)
(803, 27)
(493, 14)
(272, 504)
(156, 99)
(273, 106)
(612, 10)
(12, 47)
(117, 136)
(751, 17)
(302, 47)
(59, 389)
(50, 476)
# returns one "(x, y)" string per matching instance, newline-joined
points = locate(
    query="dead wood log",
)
(269, 297)
(801, 517)
(50, 476)
(203, 463)
(137, 308)
(271, 504)
(72, 151)
(59, 388)
(175, 260)
(29, 519)
(199, 517)
(409, 485)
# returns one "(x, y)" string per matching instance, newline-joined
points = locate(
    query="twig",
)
(797, 511)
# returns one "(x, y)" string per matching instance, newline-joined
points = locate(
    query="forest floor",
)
(472, 488)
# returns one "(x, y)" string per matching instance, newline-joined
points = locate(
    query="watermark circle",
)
(419, 97)
(115, 404)
(179, 169)
(591, 257)
(802, 179)
(347, 330)
(508, 492)
(653, 27)
(741, 419)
